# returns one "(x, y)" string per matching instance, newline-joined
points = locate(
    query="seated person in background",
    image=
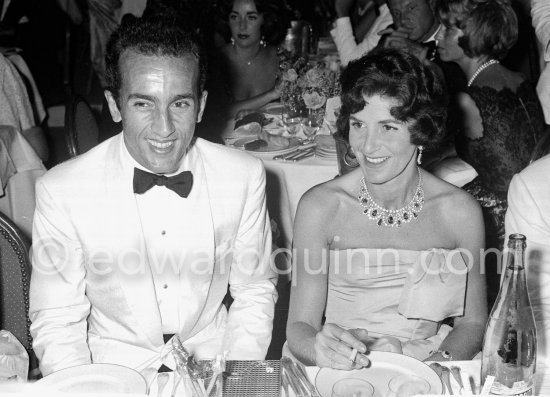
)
(374, 266)
(540, 14)
(414, 29)
(343, 34)
(501, 117)
(139, 238)
(529, 214)
(251, 57)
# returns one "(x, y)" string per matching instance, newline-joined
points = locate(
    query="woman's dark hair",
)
(276, 15)
(419, 91)
(490, 26)
(157, 36)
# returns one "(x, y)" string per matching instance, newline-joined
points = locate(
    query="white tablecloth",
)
(470, 373)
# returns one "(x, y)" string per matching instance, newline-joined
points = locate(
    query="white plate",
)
(97, 379)
(384, 366)
(270, 148)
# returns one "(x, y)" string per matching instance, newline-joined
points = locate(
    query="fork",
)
(456, 373)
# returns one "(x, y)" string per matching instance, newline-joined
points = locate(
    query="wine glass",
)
(407, 385)
(352, 387)
(310, 125)
(292, 120)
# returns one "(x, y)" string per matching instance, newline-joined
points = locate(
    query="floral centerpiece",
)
(308, 85)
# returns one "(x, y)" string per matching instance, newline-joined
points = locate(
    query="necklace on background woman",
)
(249, 62)
(391, 218)
(480, 69)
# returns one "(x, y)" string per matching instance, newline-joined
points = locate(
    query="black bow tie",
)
(432, 49)
(180, 183)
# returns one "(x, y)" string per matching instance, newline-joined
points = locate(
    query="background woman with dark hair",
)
(251, 57)
(362, 240)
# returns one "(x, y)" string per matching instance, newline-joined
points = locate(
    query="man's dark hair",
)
(156, 36)
(419, 92)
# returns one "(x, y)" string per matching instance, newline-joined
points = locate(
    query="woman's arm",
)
(308, 340)
(255, 102)
(466, 338)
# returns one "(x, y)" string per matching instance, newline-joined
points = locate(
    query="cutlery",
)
(447, 378)
(149, 374)
(438, 368)
(177, 380)
(295, 151)
(456, 373)
(300, 154)
(304, 155)
(300, 374)
(162, 379)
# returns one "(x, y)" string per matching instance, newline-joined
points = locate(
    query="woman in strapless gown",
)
(388, 253)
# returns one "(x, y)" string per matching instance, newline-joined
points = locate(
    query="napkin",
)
(14, 360)
(250, 124)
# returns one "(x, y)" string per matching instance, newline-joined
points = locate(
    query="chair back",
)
(15, 274)
(81, 126)
(542, 148)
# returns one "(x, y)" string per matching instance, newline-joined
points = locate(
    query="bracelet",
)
(444, 353)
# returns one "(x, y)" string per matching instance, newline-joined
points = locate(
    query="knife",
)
(297, 150)
(300, 154)
(303, 156)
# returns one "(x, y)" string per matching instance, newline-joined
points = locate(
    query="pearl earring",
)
(419, 158)
(262, 42)
(232, 41)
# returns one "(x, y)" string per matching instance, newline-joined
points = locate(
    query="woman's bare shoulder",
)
(326, 197)
(450, 200)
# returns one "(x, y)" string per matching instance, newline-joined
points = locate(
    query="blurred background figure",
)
(355, 30)
(251, 56)
(540, 13)
(501, 117)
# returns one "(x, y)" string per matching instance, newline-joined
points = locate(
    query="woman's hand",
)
(334, 348)
(384, 343)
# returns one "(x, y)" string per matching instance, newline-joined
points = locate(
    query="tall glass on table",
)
(311, 124)
(292, 119)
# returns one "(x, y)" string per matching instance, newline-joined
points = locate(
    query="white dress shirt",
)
(172, 249)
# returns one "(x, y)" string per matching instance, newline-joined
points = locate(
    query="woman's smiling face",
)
(381, 143)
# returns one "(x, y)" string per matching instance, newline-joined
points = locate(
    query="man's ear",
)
(202, 105)
(113, 107)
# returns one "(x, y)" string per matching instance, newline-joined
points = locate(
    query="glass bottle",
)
(510, 343)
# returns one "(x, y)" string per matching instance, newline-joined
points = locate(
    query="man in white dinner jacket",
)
(529, 214)
(139, 238)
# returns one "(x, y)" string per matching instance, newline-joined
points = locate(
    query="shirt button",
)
(163, 232)
(165, 286)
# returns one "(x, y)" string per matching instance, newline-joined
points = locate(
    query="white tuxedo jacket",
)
(529, 214)
(92, 297)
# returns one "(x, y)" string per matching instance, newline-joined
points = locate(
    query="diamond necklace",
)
(391, 218)
(481, 68)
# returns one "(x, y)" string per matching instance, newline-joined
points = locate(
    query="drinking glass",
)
(407, 385)
(310, 125)
(351, 387)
